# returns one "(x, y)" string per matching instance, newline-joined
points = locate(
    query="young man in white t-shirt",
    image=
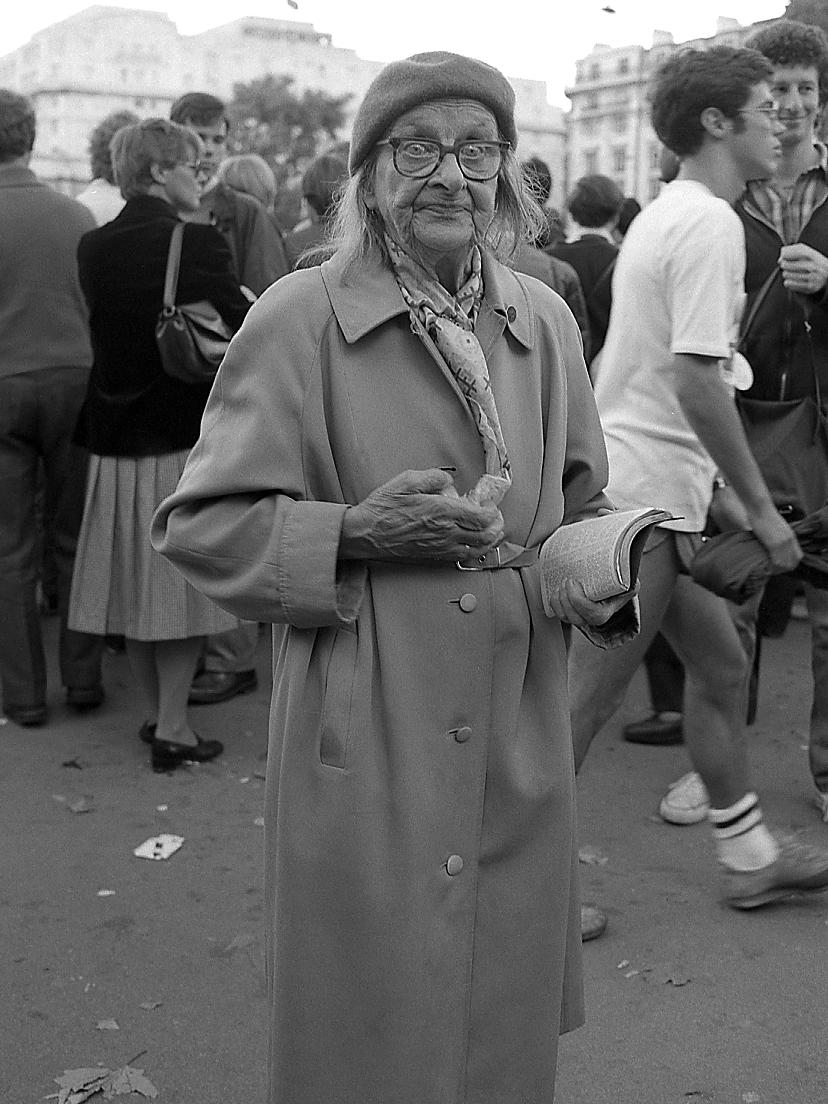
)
(664, 392)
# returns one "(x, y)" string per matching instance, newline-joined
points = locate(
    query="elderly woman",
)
(390, 438)
(139, 424)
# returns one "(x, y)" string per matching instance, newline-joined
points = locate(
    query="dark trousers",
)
(38, 411)
(665, 676)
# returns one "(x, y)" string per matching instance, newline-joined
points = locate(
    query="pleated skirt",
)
(120, 584)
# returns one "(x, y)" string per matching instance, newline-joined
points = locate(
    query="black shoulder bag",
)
(192, 338)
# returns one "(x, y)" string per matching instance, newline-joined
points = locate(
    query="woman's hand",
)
(571, 604)
(418, 515)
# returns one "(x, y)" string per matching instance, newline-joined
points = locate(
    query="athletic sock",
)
(742, 840)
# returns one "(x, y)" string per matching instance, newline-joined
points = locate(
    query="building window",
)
(619, 123)
(587, 127)
(619, 159)
(595, 72)
(624, 66)
(590, 161)
(592, 103)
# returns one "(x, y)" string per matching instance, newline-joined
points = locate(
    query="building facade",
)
(609, 129)
(105, 59)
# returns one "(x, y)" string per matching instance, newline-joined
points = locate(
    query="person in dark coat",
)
(139, 425)
(391, 436)
(594, 205)
(321, 182)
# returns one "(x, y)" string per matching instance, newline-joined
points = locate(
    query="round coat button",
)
(454, 865)
(468, 602)
(511, 313)
(462, 734)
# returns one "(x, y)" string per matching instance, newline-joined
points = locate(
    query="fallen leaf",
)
(150, 1004)
(632, 973)
(107, 1025)
(79, 1085)
(106, 892)
(259, 774)
(238, 943)
(592, 856)
(259, 822)
(80, 805)
(622, 965)
(751, 1098)
(245, 779)
(677, 980)
(75, 763)
(162, 808)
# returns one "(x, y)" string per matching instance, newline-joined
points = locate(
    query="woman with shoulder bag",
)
(139, 423)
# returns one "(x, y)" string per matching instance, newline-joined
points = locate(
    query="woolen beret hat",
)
(436, 75)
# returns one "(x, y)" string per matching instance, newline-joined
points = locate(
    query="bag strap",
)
(761, 296)
(173, 265)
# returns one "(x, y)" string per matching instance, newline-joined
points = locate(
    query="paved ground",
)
(688, 1002)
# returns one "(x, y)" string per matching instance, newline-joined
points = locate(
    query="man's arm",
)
(707, 404)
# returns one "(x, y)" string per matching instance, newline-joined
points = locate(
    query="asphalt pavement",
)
(109, 959)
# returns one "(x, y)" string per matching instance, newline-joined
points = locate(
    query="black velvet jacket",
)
(777, 345)
(132, 408)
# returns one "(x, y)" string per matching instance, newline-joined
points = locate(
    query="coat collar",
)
(369, 296)
(17, 176)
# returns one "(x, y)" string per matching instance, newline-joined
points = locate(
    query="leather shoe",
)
(28, 716)
(659, 729)
(83, 698)
(593, 923)
(217, 686)
(167, 754)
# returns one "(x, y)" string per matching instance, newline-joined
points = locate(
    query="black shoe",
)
(28, 716)
(84, 698)
(147, 731)
(167, 754)
(657, 729)
(217, 686)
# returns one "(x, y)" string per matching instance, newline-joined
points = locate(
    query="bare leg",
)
(141, 655)
(176, 663)
(699, 627)
(598, 680)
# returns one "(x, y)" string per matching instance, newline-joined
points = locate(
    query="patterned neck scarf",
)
(449, 322)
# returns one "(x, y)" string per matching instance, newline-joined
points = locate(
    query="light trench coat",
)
(421, 897)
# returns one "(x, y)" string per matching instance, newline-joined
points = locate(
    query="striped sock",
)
(741, 838)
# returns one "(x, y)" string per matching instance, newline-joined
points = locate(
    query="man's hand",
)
(778, 538)
(419, 516)
(803, 269)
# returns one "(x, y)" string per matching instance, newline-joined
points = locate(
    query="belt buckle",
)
(481, 566)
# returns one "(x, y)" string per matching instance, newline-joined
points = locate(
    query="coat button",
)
(461, 734)
(454, 864)
(511, 313)
(468, 602)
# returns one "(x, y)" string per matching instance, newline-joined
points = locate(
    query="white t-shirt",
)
(678, 287)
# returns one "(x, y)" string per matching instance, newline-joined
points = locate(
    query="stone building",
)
(103, 59)
(609, 129)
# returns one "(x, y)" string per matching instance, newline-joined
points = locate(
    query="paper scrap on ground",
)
(159, 847)
(79, 1085)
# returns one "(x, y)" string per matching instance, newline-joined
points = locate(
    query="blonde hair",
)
(251, 174)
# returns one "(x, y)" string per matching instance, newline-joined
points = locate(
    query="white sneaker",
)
(686, 801)
(821, 802)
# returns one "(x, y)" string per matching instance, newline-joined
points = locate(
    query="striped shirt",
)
(788, 212)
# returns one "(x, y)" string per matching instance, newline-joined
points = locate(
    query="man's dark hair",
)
(789, 42)
(690, 81)
(594, 201)
(322, 180)
(17, 125)
(100, 157)
(198, 109)
(538, 177)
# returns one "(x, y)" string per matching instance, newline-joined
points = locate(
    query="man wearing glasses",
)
(664, 391)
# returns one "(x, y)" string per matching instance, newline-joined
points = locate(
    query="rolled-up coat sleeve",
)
(241, 525)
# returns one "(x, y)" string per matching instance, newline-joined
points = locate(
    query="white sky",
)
(540, 39)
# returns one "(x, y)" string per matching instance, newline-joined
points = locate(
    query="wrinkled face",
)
(214, 137)
(755, 142)
(437, 218)
(796, 91)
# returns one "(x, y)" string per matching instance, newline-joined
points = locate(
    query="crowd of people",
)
(429, 376)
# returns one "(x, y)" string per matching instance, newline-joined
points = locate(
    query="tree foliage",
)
(809, 11)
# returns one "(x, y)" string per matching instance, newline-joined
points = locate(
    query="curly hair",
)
(17, 125)
(100, 157)
(357, 231)
(789, 42)
(691, 81)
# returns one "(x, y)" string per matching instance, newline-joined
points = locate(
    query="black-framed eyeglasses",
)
(419, 157)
